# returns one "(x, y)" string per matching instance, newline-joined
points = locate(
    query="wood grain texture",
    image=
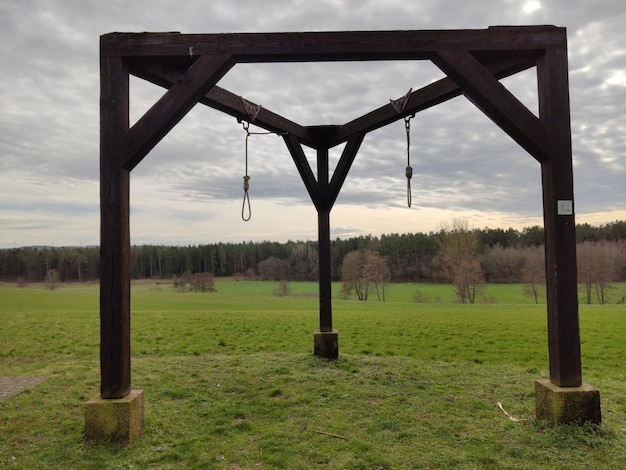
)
(334, 46)
(560, 229)
(114, 231)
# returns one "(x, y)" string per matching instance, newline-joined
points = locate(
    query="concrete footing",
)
(118, 420)
(326, 344)
(565, 404)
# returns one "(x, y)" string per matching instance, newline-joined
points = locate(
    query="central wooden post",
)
(323, 235)
(325, 339)
(324, 191)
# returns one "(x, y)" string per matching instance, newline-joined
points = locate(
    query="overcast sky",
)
(188, 190)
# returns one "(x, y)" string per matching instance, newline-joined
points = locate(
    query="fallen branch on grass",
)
(306, 423)
(331, 434)
(512, 418)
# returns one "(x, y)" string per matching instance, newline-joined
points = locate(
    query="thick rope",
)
(246, 178)
(246, 182)
(409, 169)
(246, 199)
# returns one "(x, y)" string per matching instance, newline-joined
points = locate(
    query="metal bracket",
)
(251, 108)
(400, 103)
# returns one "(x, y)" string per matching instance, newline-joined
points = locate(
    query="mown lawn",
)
(230, 381)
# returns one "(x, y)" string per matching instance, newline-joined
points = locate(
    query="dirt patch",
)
(11, 386)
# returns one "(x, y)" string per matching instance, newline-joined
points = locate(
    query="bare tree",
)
(377, 272)
(353, 276)
(598, 268)
(584, 258)
(202, 282)
(52, 278)
(460, 261)
(362, 270)
(283, 289)
(606, 274)
(273, 269)
(534, 273)
(501, 265)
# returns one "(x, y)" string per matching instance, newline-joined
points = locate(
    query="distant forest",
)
(409, 257)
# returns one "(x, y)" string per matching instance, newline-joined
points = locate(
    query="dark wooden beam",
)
(304, 169)
(431, 95)
(559, 222)
(325, 271)
(323, 237)
(334, 46)
(490, 96)
(222, 100)
(343, 167)
(419, 100)
(183, 95)
(114, 232)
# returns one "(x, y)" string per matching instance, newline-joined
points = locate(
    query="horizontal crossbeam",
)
(334, 46)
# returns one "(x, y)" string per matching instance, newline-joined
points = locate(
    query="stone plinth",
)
(566, 404)
(118, 420)
(326, 344)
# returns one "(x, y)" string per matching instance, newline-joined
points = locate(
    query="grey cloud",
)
(49, 119)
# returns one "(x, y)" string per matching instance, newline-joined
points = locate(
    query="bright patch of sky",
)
(532, 5)
(618, 78)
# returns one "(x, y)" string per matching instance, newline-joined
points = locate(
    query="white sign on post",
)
(565, 207)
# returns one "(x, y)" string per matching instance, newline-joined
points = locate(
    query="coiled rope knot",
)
(246, 200)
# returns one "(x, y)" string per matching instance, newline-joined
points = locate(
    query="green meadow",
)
(230, 381)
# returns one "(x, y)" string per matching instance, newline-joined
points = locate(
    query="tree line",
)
(501, 257)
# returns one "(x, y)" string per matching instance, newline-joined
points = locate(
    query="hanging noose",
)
(409, 169)
(246, 215)
(246, 182)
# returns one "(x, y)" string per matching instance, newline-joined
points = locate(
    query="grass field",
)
(231, 383)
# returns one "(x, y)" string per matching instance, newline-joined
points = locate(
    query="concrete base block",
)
(566, 404)
(326, 344)
(118, 420)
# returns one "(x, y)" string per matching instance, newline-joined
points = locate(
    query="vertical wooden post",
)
(560, 228)
(114, 231)
(325, 340)
(325, 281)
(323, 234)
